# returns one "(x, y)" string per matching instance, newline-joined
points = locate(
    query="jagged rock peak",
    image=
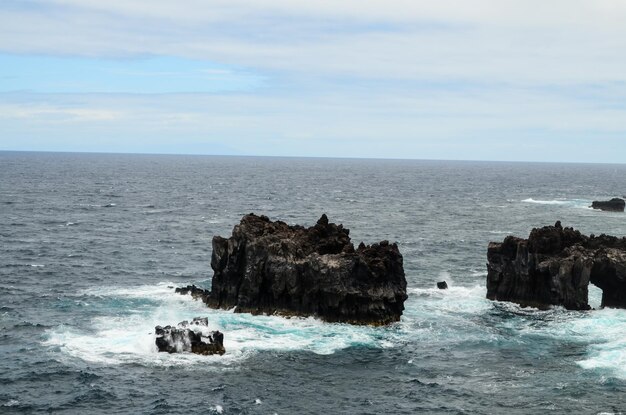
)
(323, 221)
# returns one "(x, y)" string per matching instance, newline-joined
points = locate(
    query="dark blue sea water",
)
(90, 245)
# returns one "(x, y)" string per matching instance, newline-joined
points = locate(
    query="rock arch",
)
(554, 266)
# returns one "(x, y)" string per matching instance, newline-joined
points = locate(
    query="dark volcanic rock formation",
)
(271, 267)
(554, 266)
(614, 205)
(442, 285)
(189, 337)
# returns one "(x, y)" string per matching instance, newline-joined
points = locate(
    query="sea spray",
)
(129, 337)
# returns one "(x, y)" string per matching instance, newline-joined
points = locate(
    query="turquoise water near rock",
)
(93, 243)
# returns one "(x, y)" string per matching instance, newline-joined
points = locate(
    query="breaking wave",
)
(575, 203)
(607, 330)
(128, 335)
(438, 317)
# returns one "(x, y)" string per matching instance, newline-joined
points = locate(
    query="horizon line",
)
(307, 157)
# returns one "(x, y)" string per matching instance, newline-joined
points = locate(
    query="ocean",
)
(92, 244)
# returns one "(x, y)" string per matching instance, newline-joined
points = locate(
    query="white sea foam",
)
(445, 316)
(143, 291)
(601, 332)
(454, 305)
(454, 299)
(545, 202)
(11, 402)
(128, 335)
(607, 329)
(594, 297)
(576, 203)
(431, 315)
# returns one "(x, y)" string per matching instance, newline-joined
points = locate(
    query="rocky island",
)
(554, 266)
(614, 205)
(271, 267)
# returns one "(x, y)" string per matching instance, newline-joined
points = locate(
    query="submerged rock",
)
(191, 337)
(614, 205)
(271, 267)
(554, 266)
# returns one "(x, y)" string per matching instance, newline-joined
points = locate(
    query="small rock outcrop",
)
(614, 205)
(554, 266)
(273, 268)
(442, 285)
(192, 290)
(191, 337)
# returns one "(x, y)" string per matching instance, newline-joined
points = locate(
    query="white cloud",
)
(49, 113)
(535, 12)
(513, 41)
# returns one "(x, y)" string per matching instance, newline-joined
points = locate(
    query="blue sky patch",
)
(151, 75)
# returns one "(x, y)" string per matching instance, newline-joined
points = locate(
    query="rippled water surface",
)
(91, 245)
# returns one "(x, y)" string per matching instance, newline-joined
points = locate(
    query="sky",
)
(511, 80)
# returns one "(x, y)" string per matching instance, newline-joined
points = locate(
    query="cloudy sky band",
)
(408, 79)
